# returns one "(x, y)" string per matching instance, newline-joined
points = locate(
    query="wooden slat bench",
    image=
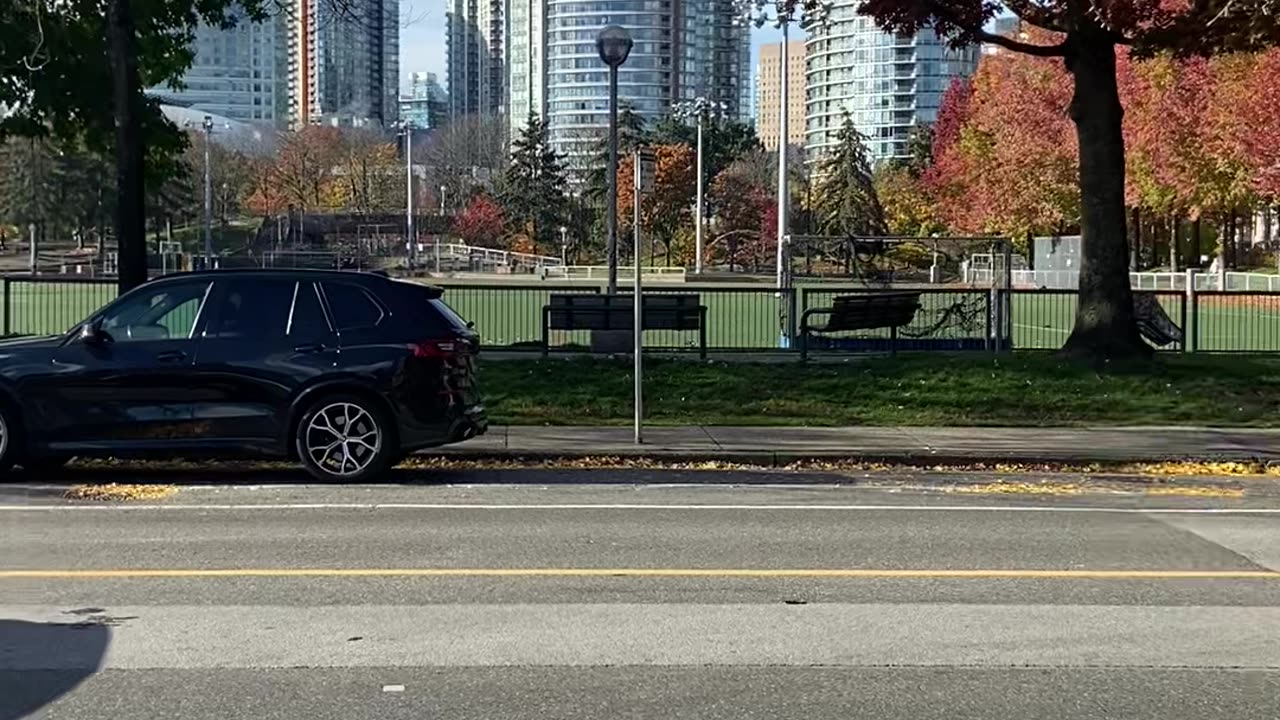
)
(680, 312)
(862, 311)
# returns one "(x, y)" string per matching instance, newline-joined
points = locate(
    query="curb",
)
(780, 459)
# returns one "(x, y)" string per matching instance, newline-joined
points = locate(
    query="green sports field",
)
(738, 317)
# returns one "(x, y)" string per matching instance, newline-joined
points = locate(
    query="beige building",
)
(768, 94)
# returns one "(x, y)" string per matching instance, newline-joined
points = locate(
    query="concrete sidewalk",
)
(782, 445)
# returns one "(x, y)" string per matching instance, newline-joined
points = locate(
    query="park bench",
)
(862, 311)
(680, 312)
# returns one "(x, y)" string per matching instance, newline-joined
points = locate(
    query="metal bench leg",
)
(702, 332)
(546, 332)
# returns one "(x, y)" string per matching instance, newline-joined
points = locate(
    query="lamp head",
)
(614, 45)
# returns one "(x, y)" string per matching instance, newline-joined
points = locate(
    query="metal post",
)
(611, 184)
(1006, 305)
(697, 265)
(637, 300)
(208, 196)
(1189, 325)
(34, 248)
(783, 189)
(408, 204)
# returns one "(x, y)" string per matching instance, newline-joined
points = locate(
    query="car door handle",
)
(171, 356)
(310, 348)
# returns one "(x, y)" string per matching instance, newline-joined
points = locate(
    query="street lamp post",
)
(208, 194)
(613, 45)
(813, 13)
(564, 246)
(699, 109)
(406, 127)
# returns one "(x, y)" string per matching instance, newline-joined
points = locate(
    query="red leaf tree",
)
(481, 222)
(1086, 35)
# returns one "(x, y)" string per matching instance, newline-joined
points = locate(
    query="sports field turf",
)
(737, 317)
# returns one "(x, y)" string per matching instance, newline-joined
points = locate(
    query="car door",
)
(129, 387)
(267, 336)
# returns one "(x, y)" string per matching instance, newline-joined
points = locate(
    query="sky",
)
(422, 39)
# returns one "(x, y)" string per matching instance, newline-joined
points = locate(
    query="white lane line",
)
(643, 506)
(393, 688)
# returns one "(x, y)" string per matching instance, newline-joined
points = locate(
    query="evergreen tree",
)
(845, 197)
(533, 186)
(632, 133)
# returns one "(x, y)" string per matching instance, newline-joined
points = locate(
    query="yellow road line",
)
(852, 573)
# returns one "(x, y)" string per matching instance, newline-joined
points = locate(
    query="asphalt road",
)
(637, 599)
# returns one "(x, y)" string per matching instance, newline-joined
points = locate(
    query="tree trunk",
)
(1230, 240)
(1173, 243)
(1105, 326)
(126, 97)
(1136, 242)
(1196, 250)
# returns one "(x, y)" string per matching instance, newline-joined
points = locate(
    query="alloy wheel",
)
(343, 439)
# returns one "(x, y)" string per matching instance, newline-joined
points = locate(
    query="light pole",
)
(207, 126)
(564, 246)
(699, 109)
(613, 45)
(208, 195)
(406, 127)
(812, 14)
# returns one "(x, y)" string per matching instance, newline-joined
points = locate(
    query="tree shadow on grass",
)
(41, 662)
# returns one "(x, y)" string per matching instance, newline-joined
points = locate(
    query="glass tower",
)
(683, 49)
(886, 82)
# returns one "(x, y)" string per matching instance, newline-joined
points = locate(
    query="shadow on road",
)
(41, 662)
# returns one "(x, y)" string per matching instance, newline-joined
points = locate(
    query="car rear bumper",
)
(458, 426)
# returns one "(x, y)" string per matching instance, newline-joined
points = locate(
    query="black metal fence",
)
(745, 318)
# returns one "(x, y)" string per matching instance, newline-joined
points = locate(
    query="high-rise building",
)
(476, 51)
(344, 62)
(236, 73)
(426, 105)
(683, 49)
(885, 82)
(769, 93)
(1009, 26)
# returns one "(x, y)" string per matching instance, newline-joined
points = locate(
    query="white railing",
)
(1168, 281)
(601, 272)
(485, 256)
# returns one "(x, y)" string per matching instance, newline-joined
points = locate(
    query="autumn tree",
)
(908, 208)
(667, 208)
(371, 177)
(1086, 35)
(305, 164)
(481, 222)
(1005, 159)
(746, 219)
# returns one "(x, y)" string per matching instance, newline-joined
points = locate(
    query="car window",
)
(253, 309)
(308, 321)
(166, 312)
(351, 306)
(451, 317)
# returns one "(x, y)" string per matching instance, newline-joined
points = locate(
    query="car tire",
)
(345, 438)
(10, 438)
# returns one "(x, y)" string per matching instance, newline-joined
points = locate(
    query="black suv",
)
(347, 372)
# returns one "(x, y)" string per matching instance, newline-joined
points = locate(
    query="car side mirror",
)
(92, 334)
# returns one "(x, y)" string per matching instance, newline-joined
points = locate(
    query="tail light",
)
(437, 348)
